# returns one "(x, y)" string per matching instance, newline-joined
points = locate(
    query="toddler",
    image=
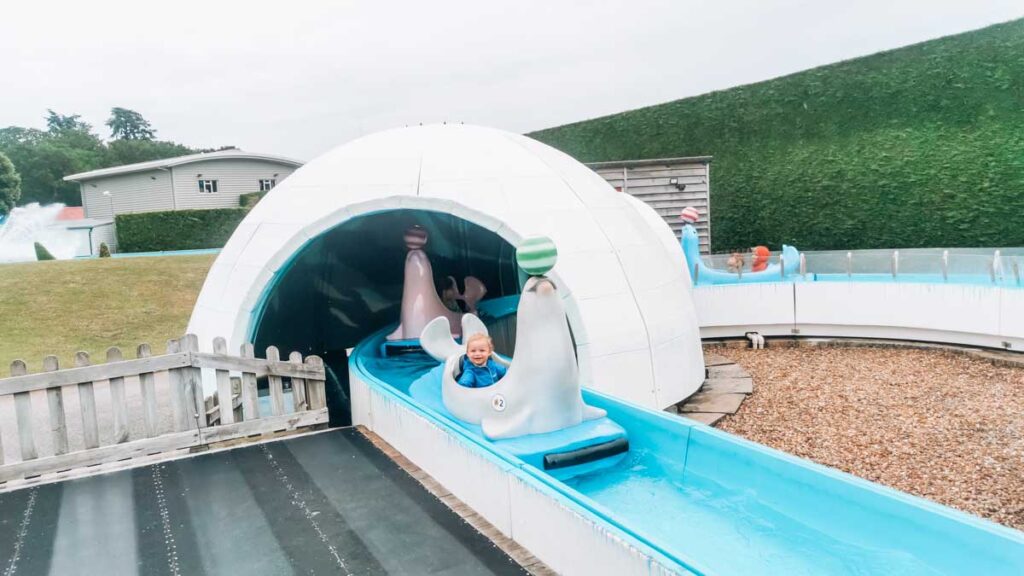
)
(479, 370)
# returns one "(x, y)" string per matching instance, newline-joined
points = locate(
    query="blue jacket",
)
(474, 376)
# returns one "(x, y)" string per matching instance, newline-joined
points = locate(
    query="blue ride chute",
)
(704, 274)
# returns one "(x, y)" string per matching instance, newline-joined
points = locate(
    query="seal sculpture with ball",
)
(420, 302)
(536, 411)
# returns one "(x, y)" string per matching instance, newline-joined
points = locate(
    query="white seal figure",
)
(541, 391)
(420, 302)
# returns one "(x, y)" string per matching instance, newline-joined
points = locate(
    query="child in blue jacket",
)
(479, 370)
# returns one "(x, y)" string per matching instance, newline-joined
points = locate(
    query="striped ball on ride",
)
(415, 237)
(689, 215)
(537, 256)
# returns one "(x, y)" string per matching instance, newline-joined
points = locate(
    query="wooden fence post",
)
(55, 398)
(276, 388)
(250, 395)
(87, 405)
(224, 397)
(147, 386)
(194, 385)
(236, 391)
(23, 411)
(298, 386)
(119, 408)
(316, 388)
(176, 379)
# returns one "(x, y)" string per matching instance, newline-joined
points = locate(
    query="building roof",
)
(178, 161)
(71, 213)
(651, 162)
(84, 223)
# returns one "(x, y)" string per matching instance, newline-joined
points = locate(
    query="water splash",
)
(32, 223)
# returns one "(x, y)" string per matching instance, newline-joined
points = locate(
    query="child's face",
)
(478, 351)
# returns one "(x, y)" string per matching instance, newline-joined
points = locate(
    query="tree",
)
(43, 158)
(59, 123)
(128, 124)
(10, 185)
(120, 152)
(42, 253)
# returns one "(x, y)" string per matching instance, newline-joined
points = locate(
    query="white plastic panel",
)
(571, 230)
(647, 267)
(950, 313)
(481, 196)
(665, 317)
(266, 243)
(677, 365)
(625, 228)
(539, 195)
(588, 186)
(744, 304)
(627, 375)
(587, 274)
(666, 237)
(1011, 313)
(954, 308)
(613, 324)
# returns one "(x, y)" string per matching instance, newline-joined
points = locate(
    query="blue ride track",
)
(707, 502)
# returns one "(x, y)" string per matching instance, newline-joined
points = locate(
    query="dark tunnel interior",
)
(347, 283)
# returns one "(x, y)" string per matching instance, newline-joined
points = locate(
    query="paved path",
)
(721, 394)
(328, 503)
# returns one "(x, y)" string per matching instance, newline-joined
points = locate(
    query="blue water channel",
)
(716, 504)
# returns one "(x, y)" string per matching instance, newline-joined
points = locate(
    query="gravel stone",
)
(940, 425)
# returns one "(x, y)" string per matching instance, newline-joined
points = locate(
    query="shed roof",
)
(650, 162)
(169, 162)
(84, 223)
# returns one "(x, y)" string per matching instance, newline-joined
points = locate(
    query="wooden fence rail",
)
(195, 421)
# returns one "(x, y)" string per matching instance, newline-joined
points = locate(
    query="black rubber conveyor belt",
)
(328, 503)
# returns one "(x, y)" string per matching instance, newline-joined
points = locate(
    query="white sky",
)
(297, 77)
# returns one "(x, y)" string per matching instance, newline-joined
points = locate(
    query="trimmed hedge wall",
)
(177, 230)
(249, 200)
(920, 146)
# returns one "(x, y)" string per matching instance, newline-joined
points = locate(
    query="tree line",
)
(33, 162)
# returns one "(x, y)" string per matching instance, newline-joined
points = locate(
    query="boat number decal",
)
(498, 403)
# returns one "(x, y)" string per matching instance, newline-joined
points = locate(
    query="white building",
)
(196, 181)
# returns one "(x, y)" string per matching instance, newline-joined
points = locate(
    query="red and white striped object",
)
(689, 214)
(415, 237)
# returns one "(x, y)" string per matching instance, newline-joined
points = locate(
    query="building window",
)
(208, 186)
(267, 184)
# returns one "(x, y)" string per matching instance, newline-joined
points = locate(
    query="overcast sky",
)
(298, 77)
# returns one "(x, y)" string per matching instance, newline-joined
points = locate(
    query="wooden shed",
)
(668, 185)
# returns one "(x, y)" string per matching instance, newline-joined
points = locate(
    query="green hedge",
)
(920, 146)
(177, 230)
(249, 200)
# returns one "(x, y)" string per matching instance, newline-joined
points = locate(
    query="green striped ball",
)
(537, 256)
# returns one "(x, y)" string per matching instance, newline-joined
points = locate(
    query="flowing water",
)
(32, 223)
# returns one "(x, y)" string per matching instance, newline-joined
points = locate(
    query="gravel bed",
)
(939, 425)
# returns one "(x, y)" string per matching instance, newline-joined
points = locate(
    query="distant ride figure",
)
(760, 261)
(735, 262)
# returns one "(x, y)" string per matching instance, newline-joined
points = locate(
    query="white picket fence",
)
(195, 422)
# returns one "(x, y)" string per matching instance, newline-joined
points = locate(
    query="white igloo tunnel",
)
(317, 265)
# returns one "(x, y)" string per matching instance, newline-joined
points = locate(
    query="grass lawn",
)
(61, 307)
